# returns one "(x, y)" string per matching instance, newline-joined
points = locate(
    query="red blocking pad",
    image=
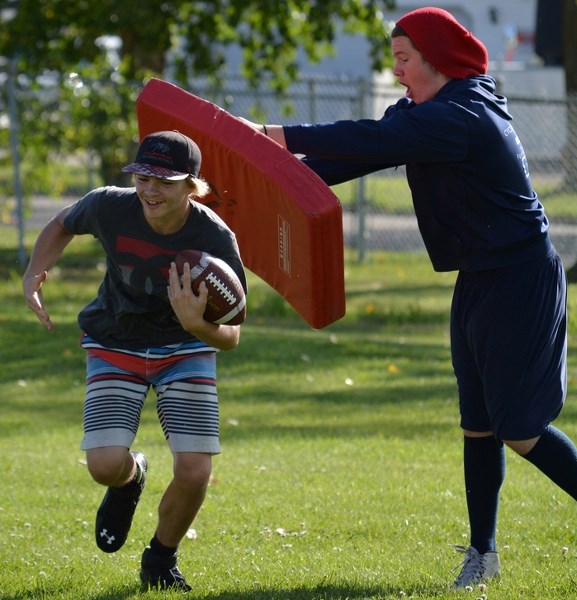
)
(287, 221)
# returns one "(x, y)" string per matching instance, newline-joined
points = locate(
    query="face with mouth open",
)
(414, 72)
(165, 203)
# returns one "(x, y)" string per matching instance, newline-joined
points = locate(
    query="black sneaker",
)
(114, 516)
(161, 573)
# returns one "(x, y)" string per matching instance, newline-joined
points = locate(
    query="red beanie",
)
(445, 43)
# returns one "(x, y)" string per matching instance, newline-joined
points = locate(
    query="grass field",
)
(388, 192)
(341, 473)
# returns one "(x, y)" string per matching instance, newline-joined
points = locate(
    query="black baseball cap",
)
(166, 155)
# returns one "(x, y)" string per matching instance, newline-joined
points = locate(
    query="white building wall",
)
(507, 28)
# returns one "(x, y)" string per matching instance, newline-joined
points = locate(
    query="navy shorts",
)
(509, 347)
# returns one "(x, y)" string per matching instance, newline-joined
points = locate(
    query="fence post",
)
(15, 152)
(312, 85)
(360, 182)
(570, 150)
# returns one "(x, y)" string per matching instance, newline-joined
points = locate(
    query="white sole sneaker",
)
(476, 568)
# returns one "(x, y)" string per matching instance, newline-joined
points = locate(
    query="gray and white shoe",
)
(476, 568)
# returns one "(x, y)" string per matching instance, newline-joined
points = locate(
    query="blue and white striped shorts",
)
(183, 377)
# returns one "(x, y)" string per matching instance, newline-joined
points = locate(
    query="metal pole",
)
(312, 85)
(360, 184)
(15, 151)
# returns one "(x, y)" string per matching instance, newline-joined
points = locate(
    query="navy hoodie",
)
(466, 168)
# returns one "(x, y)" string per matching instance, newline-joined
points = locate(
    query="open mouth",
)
(407, 90)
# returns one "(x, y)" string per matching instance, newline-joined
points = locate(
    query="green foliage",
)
(61, 34)
(91, 88)
(341, 473)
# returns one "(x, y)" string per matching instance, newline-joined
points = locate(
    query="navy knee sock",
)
(160, 549)
(556, 456)
(484, 463)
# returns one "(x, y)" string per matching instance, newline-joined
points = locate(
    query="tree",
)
(69, 37)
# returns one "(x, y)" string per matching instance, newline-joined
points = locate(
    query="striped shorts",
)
(183, 377)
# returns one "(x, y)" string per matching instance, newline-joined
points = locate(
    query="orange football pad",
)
(287, 221)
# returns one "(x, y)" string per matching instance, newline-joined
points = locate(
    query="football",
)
(226, 304)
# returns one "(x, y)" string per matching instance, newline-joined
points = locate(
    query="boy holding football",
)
(145, 329)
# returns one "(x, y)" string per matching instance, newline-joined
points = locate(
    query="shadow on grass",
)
(321, 592)
(48, 364)
(117, 593)
(274, 365)
(279, 347)
(328, 592)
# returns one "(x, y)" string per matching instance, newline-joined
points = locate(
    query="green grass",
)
(388, 192)
(341, 473)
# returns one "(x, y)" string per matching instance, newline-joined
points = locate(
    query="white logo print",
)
(109, 538)
(521, 154)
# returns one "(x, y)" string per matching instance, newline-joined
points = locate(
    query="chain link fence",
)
(377, 209)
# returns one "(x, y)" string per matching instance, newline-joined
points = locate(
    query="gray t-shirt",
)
(131, 310)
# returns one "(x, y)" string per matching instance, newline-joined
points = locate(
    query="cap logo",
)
(159, 151)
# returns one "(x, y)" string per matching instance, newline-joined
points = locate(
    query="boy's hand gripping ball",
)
(226, 303)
